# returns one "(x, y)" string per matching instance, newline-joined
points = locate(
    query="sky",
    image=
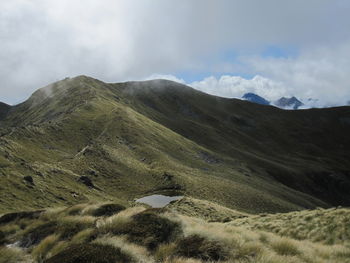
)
(273, 48)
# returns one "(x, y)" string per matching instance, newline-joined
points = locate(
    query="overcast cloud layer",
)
(42, 41)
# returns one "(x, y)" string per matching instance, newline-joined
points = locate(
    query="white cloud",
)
(236, 87)
(42, 41)
(322, 74)
(167, 77)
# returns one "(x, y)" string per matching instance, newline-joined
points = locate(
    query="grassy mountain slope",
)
(328, 226)
(81, 139)
(4, 109)
(307, 150)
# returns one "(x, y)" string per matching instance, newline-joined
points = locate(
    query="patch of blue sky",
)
(280, 52)
(233, 57)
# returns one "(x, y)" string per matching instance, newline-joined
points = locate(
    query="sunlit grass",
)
(137, 233)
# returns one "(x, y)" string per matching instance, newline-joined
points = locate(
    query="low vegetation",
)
(327, 226)
(140, 234)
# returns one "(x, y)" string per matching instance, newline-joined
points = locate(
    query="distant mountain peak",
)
(252, 97)
(292, 102)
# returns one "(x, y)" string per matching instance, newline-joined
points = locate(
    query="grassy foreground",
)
(110, 232)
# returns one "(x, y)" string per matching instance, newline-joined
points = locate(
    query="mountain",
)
(292, 103)
(255, 98)
(81, 139)
(284, 103)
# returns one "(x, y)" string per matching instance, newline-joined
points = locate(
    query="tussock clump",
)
(285, 247)
(165, 251)
(70, 226)
(139, 253)
(7, 218)
(7, 231)
(75, 210)
(37, 233)
(40, 251)
(149, 229)
(59, 247)
(84, 236)
(92, 253)
(2, 238)
(64, 227)
(195, 246)
(11, 255)
(108, 210)
(144, 235)
(116, 223)
(53, 214)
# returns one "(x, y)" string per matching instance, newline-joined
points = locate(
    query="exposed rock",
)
(92, 172)
(29, 179)
(208, 158)
(87, 181)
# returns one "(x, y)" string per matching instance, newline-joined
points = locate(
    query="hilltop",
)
(81, 139)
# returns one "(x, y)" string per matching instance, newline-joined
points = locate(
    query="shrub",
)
(195, 246)
(92, 253)
(108, 210)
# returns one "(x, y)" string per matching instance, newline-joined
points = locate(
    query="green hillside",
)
(81, 140)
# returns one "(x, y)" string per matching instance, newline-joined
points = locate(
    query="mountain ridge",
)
(134, 138)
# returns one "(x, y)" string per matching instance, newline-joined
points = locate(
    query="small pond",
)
(158, 201)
